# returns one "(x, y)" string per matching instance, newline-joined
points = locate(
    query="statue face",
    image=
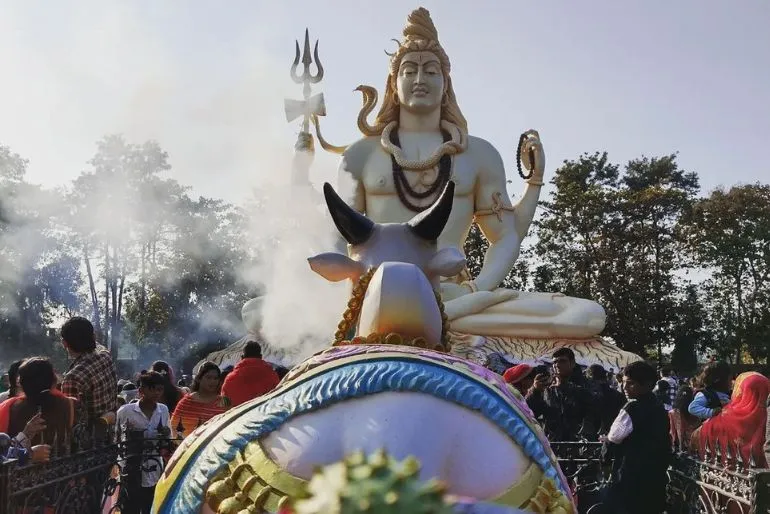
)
(420, 82)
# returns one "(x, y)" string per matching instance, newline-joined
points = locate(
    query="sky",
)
(207, 80)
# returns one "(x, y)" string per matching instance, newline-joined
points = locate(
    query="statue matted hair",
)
(420, 35)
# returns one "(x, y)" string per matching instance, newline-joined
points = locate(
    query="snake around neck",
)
(457, 143)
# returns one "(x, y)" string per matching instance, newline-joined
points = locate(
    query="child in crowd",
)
(151, 418)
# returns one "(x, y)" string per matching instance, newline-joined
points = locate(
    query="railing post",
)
(6, 492)
(4, 487)
(131, 472)
(761, 501)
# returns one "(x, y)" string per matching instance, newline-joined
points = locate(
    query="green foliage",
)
(613, 236)
(620, 236)
(129, 248)
(476, 246)
(158, 269)
(689, 334)
(377, 484)
(37, 274)
(729, 233)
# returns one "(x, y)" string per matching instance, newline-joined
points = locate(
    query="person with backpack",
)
(715, 392)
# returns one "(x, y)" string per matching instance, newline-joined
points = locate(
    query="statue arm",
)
(496, 219)
(525, 208)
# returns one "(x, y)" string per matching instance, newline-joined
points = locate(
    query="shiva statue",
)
(419, 141)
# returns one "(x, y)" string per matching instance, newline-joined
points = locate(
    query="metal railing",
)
(101, 470)
(721, 481)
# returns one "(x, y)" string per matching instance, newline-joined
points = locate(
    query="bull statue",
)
(386, 384)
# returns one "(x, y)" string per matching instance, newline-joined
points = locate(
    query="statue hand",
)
(305, 142)
(533, 143)
(450, 291)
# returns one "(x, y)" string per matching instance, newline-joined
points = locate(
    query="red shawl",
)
(7, 405)
(741, 425)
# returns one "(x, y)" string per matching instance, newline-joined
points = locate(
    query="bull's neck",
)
(419, 122)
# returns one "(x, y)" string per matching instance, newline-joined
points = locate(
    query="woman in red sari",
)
(741, 425)
(202, 404)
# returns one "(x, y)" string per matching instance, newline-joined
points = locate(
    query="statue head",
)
(419, 78)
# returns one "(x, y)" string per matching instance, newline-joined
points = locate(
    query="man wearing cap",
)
(520, 377)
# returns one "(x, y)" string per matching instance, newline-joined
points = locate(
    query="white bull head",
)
(400, 295)
(370, 244)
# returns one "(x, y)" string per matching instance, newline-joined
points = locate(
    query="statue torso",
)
(374, 170)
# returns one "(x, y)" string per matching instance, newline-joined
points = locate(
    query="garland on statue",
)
(442, 156)
(350, 317)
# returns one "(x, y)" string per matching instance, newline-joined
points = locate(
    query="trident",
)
(311, 105)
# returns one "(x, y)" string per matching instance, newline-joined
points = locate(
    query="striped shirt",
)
(191, 413)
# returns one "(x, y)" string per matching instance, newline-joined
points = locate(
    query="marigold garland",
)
(350, 317)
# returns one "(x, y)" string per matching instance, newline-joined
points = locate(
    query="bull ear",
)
(353, 226)
(335, 267)
(429, 224)
(447, 262)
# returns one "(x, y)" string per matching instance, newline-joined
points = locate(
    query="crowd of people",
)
(642, 416)
(40, 408)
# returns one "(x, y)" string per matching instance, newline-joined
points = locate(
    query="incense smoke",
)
(111, 71)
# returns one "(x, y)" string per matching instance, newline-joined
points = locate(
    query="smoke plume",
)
(108, 69)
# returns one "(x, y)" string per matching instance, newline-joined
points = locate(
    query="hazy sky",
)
(207, 79)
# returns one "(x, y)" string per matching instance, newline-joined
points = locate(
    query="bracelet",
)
(471, 284)
(22, 439)
(535, 182)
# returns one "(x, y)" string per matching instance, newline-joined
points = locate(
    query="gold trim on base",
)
(253, 482)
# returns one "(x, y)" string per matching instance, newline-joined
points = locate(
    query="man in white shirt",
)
(151, 419)
(640, 442)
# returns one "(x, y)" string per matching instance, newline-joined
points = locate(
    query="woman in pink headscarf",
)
(740, 427)
(741, 424)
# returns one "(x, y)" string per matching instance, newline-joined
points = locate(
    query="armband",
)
(497, 207)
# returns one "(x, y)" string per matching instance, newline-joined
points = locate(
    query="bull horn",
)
(429, 224)
(353, 226)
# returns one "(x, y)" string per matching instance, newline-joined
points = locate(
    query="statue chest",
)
(378, 176)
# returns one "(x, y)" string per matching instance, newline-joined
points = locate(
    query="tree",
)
(475, 248)
(612, 236)
(656, 196)
(38, 277)
(729, 233)
(689, 334)
(195, 293)
(115, 216)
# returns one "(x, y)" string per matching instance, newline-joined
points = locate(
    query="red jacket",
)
(251, 377)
